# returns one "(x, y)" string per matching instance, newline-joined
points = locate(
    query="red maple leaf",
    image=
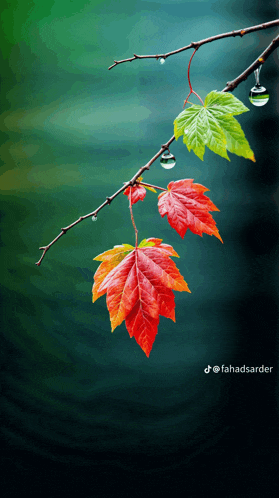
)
(186, 206)
(138, 191)
(139, 282)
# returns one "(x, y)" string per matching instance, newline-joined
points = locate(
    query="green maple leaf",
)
(214, 126)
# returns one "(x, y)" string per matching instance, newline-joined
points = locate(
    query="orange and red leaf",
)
(139, 288)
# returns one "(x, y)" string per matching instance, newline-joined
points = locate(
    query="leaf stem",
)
(132, 218)
(189, 81)
(149, 185)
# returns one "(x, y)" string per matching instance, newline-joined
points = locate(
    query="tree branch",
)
(196, 45)
(230, 86)
(108, 201)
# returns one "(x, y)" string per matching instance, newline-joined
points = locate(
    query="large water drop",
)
(258, 95)
(167, 161)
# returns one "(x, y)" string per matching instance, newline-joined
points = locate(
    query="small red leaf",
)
(139, 288)
(138, 193)
(186, 206)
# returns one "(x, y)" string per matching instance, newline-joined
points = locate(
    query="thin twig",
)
(196, 45)
(230, 86)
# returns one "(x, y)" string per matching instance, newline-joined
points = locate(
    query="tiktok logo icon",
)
(207, 370)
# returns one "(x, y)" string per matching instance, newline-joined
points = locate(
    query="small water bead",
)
(167, 161)
(162, 60)
(258, 95)
(94, 218)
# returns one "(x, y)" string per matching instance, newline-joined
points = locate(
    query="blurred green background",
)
(85, 410)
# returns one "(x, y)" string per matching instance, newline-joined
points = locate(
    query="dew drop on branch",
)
(167, 161)
(258, 95)
(94, 218)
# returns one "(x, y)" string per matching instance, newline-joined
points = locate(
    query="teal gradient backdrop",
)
(85, 410)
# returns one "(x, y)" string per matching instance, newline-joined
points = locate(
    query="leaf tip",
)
(114, 324)
(253, 158)
(95, 296)
(218, 236)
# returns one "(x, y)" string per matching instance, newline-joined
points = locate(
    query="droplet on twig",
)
(258, 95)
(167, 161)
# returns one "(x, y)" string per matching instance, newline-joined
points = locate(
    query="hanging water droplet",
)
(258, 95)
(94, 218)
(162, 60)
(167, 161)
